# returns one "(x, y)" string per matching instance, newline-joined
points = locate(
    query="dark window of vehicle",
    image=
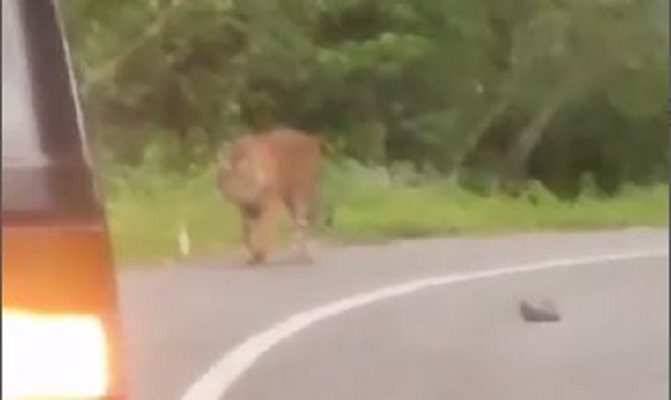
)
(45, 172)
(19, 127)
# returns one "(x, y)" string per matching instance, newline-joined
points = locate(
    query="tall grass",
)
(148, 206)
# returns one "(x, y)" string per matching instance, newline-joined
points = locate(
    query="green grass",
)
(146, 208)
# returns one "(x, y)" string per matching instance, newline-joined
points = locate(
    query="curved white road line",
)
(214, 384)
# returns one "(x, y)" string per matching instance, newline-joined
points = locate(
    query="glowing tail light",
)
(52, 356)
(60, 335)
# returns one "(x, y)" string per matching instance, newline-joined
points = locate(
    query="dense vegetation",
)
(492, 95)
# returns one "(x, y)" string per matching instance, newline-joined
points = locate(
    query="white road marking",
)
(214, 384)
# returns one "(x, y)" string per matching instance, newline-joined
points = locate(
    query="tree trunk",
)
(514, 170)
(474, 136)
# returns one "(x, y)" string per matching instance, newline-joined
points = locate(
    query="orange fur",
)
(262, 172)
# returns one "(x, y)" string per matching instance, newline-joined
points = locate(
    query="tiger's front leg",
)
(258, 224)
(249, 219)
(249, 215)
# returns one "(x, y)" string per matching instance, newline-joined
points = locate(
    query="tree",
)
(405, 80)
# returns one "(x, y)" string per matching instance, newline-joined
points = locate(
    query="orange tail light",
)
(59, 316)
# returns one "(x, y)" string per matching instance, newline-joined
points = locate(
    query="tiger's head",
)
(240, 177)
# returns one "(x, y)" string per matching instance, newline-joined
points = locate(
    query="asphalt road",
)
(464, 340)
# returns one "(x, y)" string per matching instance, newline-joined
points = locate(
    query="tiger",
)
(264, 172)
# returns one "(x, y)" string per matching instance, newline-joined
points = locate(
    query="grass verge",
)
(147, 207)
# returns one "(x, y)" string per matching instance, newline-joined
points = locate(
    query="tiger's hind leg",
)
(301, 211)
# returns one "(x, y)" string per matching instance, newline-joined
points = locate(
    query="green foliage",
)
(510, 89)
